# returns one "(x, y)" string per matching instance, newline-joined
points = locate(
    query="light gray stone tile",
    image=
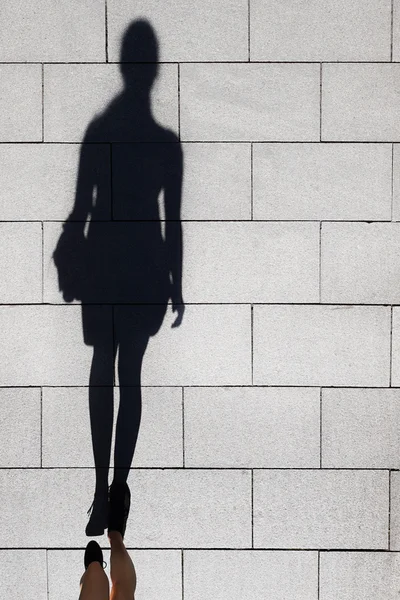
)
(251, 262)
(321, 345)
(328, 30)
(38, 181)
(185, 31)
(67, 439)
(352, 99)
(211, 347)
(216, 182)
(360, 263)
(20, 262)
(394, 510)
(250, 102)
(192, 509)
(74, 94)
(359, 575)
(158, 573)
(20, 427)
(43, 345)
(23, 574)
(361, 428)
(250, 574)
(396, 30)
(20, 103)
(396, 182)
(252, 427)
(169, 509)
(395, 381)
(46, 31)
(321, 509)
(322, 181)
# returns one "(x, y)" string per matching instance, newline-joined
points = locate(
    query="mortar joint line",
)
(47, 574)
(320, 101)
(392, 185)
(42, 257)
(391, 31)
(248, 30)
(391, 346)
(252, 508)
(179, 101)
(106, 28)
(251, 183)
(320, 427)
(41, 428)
(318, 574)
(42, 102)
(320, 264)
(390, 479)
(252, 342)
(183, 427)
(183, 579)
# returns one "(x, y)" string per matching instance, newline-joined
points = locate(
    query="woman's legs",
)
(123, 574)
(130, 405)
(94, 583)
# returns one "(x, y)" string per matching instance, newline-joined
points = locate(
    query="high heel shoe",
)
(119, 505)
(93, 553)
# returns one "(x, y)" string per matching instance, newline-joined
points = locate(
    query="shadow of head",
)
(139, 45)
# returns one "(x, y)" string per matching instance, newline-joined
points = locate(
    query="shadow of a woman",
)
(119, 257)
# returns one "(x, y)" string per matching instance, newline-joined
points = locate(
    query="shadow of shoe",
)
(98, 520)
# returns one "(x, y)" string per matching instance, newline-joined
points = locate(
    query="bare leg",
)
(123, 574)
(94, 583)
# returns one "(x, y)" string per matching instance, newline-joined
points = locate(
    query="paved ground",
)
(267, 465)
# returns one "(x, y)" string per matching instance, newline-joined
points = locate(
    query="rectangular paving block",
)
(23, 574)
(352, 99)
(38, 181)
(360, 263)
(330, 30)
(250, 102)
(44, 345)
(158, 573)
(169, 508)
(75, 94)
(212, 346)
(359, 575)
(67, 435)
(216, 182)
(184, 31)
(361, 428)
(394, 510)
(396, 183)
(325, 509)
(21, 103)
(322, 181)
(322, 345)
(250, 574)
(20, 262)
(395, 380)
(251, 262)
(20, 427)
(46, 31)
(252, 427)
(396, 30)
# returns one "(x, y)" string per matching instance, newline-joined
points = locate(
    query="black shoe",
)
(93, 553)
(119, 505)
(98, 515)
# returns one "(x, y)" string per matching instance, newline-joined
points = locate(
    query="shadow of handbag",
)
(71, 260)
